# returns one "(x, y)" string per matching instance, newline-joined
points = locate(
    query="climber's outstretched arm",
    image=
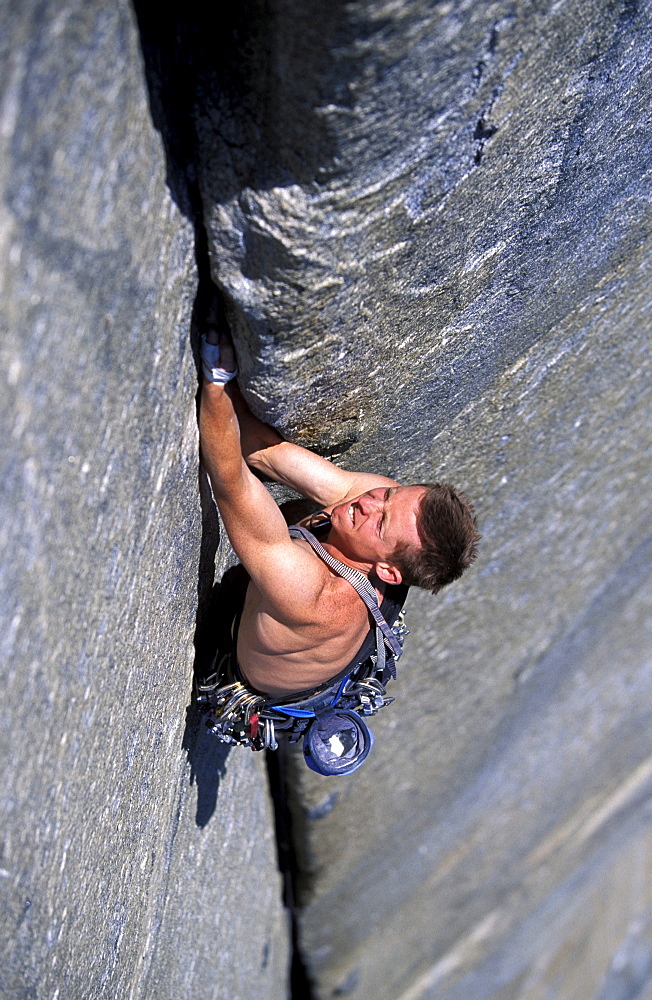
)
(285, 573)
(309, 474)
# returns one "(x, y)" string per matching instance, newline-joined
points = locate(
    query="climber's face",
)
(371, 527)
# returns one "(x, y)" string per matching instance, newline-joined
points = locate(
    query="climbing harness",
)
(329, 718)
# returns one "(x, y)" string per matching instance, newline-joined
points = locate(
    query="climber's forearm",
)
(266, 451)
(255, 436)
(220, 438)
(253, 522)
(232, 436)
(310, 475)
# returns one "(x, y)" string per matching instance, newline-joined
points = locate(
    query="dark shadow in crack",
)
(237, 92)
(206, 755)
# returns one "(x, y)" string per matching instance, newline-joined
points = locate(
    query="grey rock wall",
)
(136, 861)
(519, 749)
(436, 185)
(432, 226)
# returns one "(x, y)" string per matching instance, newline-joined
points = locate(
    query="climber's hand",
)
(218, 357)
(227, 352)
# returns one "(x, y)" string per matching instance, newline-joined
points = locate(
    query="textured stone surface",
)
(520, 741)
(435, 184)
(118, 878)
(432, 224)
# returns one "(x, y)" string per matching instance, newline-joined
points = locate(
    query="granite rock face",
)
(118, 877)
(431, 227)
(431, 224)
(402, 199)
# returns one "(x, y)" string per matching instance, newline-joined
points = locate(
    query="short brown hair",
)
(449, 539)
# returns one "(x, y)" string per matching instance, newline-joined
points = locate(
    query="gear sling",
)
(330, 718)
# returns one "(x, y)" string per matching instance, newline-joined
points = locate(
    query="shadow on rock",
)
(207, 758)
(206, 755)
(217, 605)
(232, 110)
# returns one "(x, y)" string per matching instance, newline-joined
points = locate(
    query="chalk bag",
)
(337, 743)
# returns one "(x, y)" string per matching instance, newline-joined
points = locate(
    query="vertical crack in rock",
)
(171, 49)
(300, 985)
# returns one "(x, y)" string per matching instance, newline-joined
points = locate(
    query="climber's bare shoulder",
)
(309, 637)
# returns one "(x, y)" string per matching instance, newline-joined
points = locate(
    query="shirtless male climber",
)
(302, 622)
